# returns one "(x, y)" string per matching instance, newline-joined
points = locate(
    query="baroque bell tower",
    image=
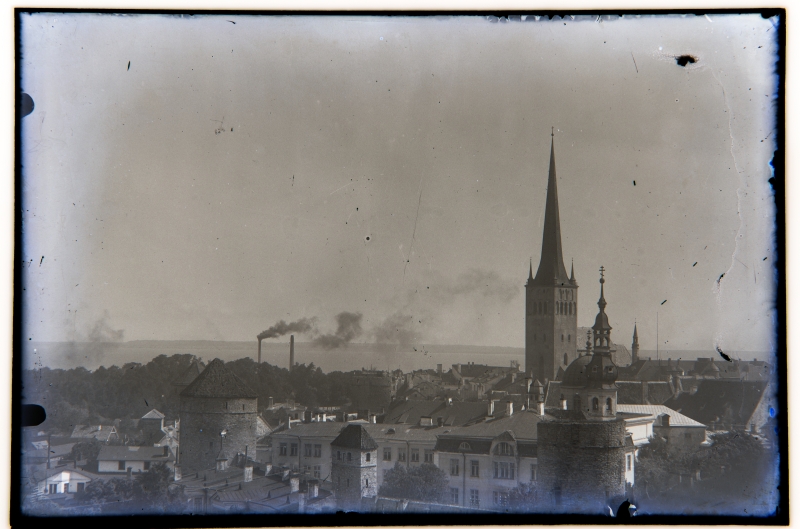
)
(551, 297)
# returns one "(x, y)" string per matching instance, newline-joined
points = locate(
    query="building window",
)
(366, 482)
(566, 359)
(349, 456)
(338, 455)
(368, 454)
(503, 470)
(630, 463)
(569, 337)
(81, 486)
(53, 488)
(454, 495)
(500, 498)
(147, 465)
(464, 446)
(387, 454)
(562, 337)
(608, 404)
(454, 467)
(293, 449)
(534, 472)
(66, 488)
(595, 404)
(503, 449)
(282, 449)
(317, 450)
(474, 468)
(317, 471)
(307, 450)
(401, 455)
(474, 498)
(415, 455)
(121, 465)
(428, 454)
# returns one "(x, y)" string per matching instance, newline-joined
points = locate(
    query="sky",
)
(205, 177)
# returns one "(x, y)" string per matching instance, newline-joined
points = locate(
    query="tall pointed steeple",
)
(635, 345)
(551, 264)
(572, 274)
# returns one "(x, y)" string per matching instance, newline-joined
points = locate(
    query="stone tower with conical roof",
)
(216, 408)
(551, 297)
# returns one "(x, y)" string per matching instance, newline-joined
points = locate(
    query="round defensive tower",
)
(218, 412)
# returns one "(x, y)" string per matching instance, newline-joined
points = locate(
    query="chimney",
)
(248, 472)
(267, 469)
(294, 483)
(176, 473)
(313, 488)
(540, 405)
(286, 473)
(563, 402)
(259, 351)
(449, 401)
(490, 412)
(439, 421)
(665, 420)
(439, 368)
(513, 377)
(373, 419)
(509, 408)
(291, 352)
(271, 402)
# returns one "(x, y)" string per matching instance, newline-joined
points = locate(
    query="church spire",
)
(601, 329)
(551, 265)
(572, 273)
(530, 269)
(635, 345)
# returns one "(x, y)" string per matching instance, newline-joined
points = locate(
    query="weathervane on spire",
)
(601, 274)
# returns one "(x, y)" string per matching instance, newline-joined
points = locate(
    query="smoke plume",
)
(348, 329)
(303, 325)
(102, 331)
(398, 328)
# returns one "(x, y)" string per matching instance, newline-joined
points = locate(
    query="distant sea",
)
(91, 355)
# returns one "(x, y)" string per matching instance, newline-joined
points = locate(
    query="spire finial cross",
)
(552, 131)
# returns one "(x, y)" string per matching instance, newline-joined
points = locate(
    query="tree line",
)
(79, 396)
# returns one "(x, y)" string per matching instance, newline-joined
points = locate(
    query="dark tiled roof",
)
(659, 392)
(553, 396)
(355, 436)
(730, 402)
(133, 453)
(629, 392)
(217, 381)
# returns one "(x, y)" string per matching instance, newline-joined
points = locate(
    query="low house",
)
(680, 431)
(121, 459)
(63, 481)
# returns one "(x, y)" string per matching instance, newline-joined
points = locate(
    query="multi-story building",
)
(306, 448)
(484, 462)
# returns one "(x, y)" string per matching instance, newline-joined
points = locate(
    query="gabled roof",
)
(153, 414)
(521, 425)
(355, 436)
(188, 376)
(730, 402)
(216, 380)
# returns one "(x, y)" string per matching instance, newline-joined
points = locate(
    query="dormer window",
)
(504, 449)
(464, 446)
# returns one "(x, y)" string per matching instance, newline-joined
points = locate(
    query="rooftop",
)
(135, 453)
(355, 436)
(218, 381)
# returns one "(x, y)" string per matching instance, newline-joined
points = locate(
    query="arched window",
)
(565, 359)
(464, 446)
(570, 308)
(569, 338)
(608, 404)
(595, 404)
(503, 449)
(576, 401)
(562, 337)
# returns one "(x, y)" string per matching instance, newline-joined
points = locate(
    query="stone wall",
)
(202, 420)
(355, 480)
(581, 463)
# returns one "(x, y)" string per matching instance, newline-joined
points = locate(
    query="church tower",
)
(635, 346)
(551, 297)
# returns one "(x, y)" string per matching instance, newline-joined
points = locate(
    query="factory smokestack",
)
(291, 352)
(259, 350)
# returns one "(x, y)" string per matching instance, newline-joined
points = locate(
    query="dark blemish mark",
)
(663, 301)
(723, 355)
(634, 63)
(624, 509)
(32, 415)
(40, 261)
(145, 403)
(764, 259)
(232, 22)
(129, 66)
(683, 60)
(367, 237)
(634, 182)
(720, 277)
(772, 412)
(695, 263)
(231, 129)
(25, 104)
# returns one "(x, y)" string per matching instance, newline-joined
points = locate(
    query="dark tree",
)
(423, 483)
(88, 450)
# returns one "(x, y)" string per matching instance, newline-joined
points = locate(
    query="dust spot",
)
(723, 355)
(663, 301)
(683, 60)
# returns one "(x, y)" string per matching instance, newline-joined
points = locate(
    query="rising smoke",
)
(348, 329)
(301, 326)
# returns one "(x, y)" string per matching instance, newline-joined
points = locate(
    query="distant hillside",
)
(66, 355)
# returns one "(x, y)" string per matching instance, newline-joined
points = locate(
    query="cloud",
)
(398, 328)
